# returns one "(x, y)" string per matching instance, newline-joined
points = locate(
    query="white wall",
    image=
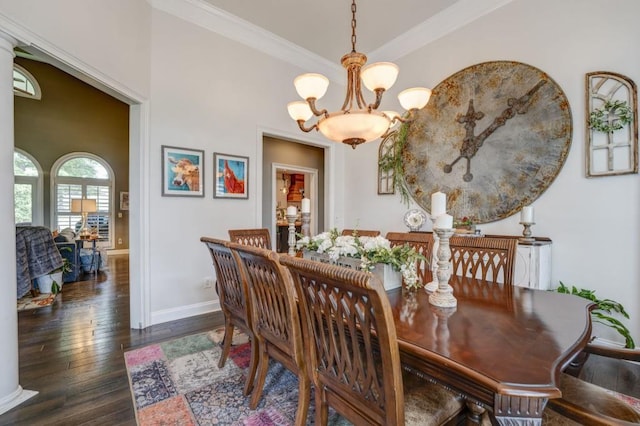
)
(566, 39)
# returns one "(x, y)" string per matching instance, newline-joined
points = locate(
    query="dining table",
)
(502, 347)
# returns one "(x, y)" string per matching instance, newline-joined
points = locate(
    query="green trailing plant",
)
(391, 161)
(603, 310)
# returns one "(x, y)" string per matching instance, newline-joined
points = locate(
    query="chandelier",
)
(356, 122)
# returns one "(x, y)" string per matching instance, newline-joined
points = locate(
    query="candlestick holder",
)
(526, 232)
(291, 218)
(443, 296)
(306, 220)
(433, 285)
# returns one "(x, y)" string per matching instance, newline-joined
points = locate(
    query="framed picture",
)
(231, 176)
(124, 201)
(182, 172)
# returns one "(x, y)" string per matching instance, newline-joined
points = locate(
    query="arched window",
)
(24, 84)
(83, 175)
(27, 188)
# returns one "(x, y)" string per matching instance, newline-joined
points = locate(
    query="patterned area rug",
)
(179, 383)
(634, 402)
(40, 301)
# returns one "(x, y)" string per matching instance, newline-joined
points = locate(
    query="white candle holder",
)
(443, 296)
(526, 232)
(433, 285)
(306, 221)
(291, 218)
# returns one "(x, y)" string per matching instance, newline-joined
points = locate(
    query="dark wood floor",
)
(72, 354)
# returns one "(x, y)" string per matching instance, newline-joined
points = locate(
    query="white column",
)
(11, 393)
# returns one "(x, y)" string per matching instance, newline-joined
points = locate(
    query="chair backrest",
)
(273, 303)
(232, 289)
(360, 232)
(258, 237)
(355, 361)
(422, 242)
(484, 258)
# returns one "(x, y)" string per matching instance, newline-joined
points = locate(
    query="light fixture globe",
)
(311, 85)
(414, 98)
(380, 75)
(354, 127)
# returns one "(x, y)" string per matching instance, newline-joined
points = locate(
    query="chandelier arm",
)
(376, 104)
(411, 115)
(316, 112)
(306, 129)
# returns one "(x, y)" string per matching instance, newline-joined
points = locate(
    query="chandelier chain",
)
(353, 26)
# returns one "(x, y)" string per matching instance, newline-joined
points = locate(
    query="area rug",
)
(178, 382)
(40, 301)
(634, 402)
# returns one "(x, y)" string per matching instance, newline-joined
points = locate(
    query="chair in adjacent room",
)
(484, 258)
(276, 321)
(234, 302)
(422, 242)
(258, 237)
(360, 232)
(353, 351)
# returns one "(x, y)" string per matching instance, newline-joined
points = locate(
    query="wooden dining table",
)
(502, 348)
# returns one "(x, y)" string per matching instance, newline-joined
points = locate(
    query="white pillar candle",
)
(292, 211)
(444, 221)
(306, 205)
(438, 204)
(526, 215)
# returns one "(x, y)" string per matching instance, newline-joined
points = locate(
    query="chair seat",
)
(592, 398)
(427, 403)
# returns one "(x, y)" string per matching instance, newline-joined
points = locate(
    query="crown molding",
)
(205, 15)
(448, 20)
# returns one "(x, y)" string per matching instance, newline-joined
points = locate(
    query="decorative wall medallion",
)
(493, 137)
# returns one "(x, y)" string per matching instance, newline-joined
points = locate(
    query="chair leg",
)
(304, 395)
(263, 367)
(253, 365)
(322, 410)
(226, 343)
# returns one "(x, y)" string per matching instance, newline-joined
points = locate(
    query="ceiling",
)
(324, 27)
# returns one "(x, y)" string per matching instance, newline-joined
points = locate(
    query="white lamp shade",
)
(416, 97)
(311, 85)
(359, 124)
(299, 110)
(379, 75)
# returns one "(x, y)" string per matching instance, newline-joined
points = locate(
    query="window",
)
(24, 84)
(83, 175)
(27, 188)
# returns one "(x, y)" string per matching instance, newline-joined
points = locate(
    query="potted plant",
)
(52, 282)
(603, 310)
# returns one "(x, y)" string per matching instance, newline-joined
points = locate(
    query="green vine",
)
(391, 161)
(613, 115)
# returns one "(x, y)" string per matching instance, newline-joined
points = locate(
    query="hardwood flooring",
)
(72, 354)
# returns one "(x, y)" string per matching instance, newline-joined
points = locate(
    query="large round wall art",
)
(493, 137)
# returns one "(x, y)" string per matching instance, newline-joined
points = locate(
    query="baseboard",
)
(120, 251)
(15, 398)
(173, 314)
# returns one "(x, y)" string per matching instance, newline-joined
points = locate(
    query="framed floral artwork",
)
(231, 176)
(182, 172)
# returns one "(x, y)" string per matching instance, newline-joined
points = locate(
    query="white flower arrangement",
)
(370, 250)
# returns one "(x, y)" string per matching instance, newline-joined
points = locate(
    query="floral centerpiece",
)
(369, 250)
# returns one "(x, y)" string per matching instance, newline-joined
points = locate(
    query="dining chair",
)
(360, 233)
(422, 242)
(484, 258)
(258, 237)
(235, 303)
(276, 321)
(353, 351)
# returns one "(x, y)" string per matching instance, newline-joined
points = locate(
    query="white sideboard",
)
(533, 265)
